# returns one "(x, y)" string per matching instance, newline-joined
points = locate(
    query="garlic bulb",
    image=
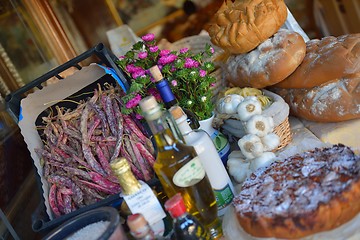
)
(248, 108)
(251, 146)
(236, 154)
(239, 169)
(263, 161)
(229, 103)
(270, 141)
(259, 125)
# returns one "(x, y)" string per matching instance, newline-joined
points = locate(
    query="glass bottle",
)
(139, 227)
(169, 99)
(210, 159)
(179, 169)
(186, 227)
(138, 196)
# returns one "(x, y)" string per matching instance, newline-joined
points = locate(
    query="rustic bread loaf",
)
(240, 26)
(325, 60)
(333, 101)
(271, 62)
(305, 194)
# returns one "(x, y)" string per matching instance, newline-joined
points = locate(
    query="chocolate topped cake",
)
(308, 193)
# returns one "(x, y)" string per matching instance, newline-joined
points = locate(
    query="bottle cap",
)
(156, 73)
(148, 104)
(175, 206)
(136, 221)
(176, 112)
(138, 224)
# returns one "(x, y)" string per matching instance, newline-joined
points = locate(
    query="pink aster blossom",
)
(138, 116)
(167, 59)
(191, 63)
(154, 49)
(142, 55)
(138, 73)
(148, 37)
(202, 73)
(133, 102)
(212, 50)
(155, 93)
(131, 68)
(184, 50)
(164, 52)
(174, 83)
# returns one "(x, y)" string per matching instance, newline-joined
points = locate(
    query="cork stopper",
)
(156, 73)
(176, 112)
(148, 103)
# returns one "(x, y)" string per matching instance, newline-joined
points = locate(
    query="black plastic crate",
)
(40, 219)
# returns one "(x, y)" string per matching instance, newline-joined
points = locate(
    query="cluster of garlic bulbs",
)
(257, 145)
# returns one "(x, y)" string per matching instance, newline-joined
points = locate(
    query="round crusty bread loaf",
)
(334, 101)
(326, 59)
(240, 26)
(271, 62)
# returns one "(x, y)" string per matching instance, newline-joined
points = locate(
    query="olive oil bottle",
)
(179, 169)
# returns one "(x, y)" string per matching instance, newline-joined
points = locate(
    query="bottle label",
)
(190, 174)
(223, 197)
(145, 202)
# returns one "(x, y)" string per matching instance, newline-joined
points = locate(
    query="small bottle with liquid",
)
(186, 226)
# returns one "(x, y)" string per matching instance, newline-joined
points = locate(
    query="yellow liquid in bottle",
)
(199, 197)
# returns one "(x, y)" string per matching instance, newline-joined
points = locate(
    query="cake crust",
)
(305, 194)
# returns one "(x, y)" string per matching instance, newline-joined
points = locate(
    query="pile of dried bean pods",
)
(80, 143)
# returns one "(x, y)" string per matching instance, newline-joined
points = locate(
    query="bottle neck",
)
(166, 94)
(164, 129)
(129, 184)
(183, 125)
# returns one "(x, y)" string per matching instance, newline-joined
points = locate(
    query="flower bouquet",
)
(187, 73)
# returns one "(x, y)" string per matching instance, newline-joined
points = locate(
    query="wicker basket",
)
(278, 110)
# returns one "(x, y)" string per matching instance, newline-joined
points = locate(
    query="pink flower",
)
(202, 73)
(212, 85)
(167, 59)
(174, 83)
(148, 37)
(154, 49)
(122, 57)
(142, 55)
(212, 50)
(184, 50)
(139, 73)
(138, 116)
(191, 63)
(155, 93)
(131, 68)
(164, 52)
(133, 102)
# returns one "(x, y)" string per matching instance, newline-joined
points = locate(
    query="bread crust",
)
(340, 208)
(240, 26)
(325, 60)
(271, 62)
(334, 101)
